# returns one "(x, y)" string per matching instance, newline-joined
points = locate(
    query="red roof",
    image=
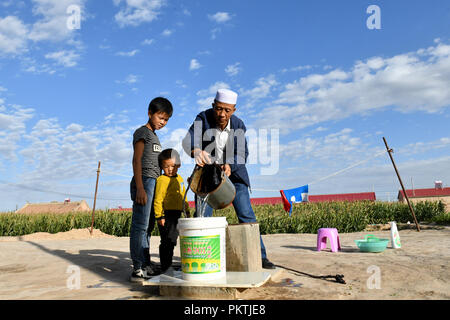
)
(343, 197)
(270, 200)
(423, 193)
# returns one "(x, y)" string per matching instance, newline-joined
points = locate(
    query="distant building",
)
(438, 193)
(55, 207)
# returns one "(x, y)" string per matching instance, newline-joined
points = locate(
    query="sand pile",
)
(74, 234)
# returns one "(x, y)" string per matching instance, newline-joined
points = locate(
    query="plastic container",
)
(395, 236)
(202, 248)
(372, 244)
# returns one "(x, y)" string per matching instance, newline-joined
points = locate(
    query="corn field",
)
(305, 218)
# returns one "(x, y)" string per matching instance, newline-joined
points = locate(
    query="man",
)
(219, 136)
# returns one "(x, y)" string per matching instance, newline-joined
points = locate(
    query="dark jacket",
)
(236, 145)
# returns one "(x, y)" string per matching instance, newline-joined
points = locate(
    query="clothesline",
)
(333, 174)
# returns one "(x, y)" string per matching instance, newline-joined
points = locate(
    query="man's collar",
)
(228, 127)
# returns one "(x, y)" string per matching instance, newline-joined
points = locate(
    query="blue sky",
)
(313, 72)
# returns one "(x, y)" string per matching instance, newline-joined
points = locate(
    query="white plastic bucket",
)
(202, 248)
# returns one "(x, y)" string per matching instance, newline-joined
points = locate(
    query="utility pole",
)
(401, 183)
(95, 197)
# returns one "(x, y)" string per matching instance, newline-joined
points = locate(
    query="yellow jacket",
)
(169, 195)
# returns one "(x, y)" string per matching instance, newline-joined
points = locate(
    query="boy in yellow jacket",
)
(168, 204)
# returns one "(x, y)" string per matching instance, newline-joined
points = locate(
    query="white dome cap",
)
(226, 96)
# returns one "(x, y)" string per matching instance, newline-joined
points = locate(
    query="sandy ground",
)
(47, 266)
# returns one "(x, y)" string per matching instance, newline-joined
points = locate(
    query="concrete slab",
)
(226, 288)
(231, 280)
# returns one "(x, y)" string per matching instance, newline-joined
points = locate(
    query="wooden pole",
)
(401, 183)
(95, 197)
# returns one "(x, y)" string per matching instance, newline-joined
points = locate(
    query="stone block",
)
(243, 247)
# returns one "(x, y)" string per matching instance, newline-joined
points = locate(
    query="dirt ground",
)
(44, 266)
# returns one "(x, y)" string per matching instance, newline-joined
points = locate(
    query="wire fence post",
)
(95, 197)
(401, 183)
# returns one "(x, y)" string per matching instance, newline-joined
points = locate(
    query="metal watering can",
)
(218, 198)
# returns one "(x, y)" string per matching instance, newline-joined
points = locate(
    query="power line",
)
(66, 194)
(333, 174)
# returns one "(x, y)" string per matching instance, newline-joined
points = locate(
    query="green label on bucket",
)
(200, 254)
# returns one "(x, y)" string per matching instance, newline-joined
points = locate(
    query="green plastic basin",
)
(372, 244)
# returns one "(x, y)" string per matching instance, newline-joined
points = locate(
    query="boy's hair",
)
(169, 154)
(160, 104)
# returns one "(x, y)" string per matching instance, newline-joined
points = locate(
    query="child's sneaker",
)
(139, 275)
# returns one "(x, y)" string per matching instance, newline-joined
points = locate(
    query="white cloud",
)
(220, 17)
(298, 68)
(167, 32)
(212, 90)
(335, 146)
(421, 147)
(147, 42)
(50, 25)
(130, 79)
(13, 35)
(53, 23)
(33, 66)
(233, 69)
(415, 81)
(181, 84)
(127, 53)
(194, 64)
(207, 95)
(136, 12)
(74, 128)
(214, 33)
(12, 127)
(78, 147)
(64, 58)
(263, 88)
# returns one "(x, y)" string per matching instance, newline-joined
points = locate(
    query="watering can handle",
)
(187, 189)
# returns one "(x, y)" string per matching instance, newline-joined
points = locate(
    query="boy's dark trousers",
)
(169, 236)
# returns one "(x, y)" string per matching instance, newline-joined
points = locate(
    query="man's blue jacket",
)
(199, 136)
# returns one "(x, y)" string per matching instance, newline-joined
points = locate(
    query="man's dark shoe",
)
(266, 264)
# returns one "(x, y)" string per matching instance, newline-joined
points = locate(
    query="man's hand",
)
(202, 157)
(226, 167)
(162, 222)
(141, 196)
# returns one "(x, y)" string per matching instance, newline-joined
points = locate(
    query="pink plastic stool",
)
(332, 235)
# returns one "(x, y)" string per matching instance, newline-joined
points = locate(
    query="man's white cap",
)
(226, 96)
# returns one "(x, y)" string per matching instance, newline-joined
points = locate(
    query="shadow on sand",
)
(113, 267)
